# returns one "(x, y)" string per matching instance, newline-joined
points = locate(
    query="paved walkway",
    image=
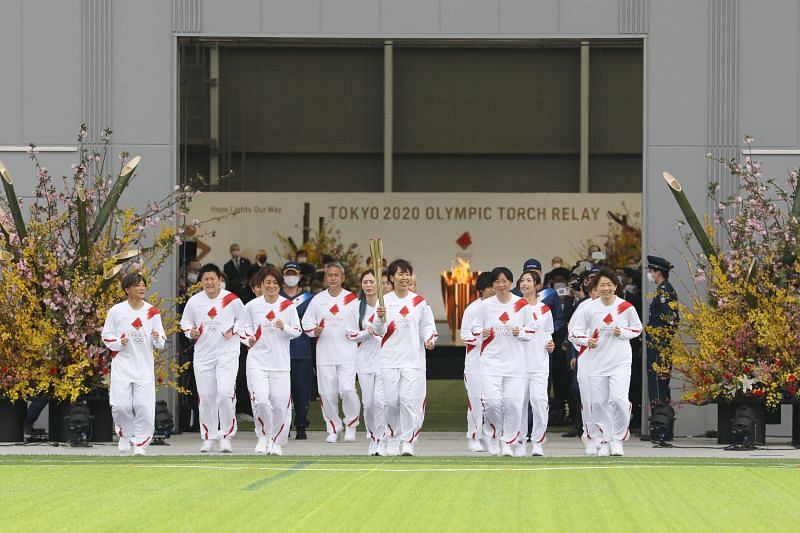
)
(431, 444)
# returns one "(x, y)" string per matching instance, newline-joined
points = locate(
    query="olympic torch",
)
(376, 252)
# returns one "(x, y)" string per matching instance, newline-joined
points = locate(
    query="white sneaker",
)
(332, 437)
(494, 447)
(616, 448)
(349, 434)
(537, 450)
(124, 445)
(506, 451)
(373, 448)
(591, 447)
(475, 445)
(393, 448)
(520, 449)
(407, 449)
(604, 450)
(139, 450)
(208, 446)
(381, 449)
(225, 446)
(275, 449)
(261, 447)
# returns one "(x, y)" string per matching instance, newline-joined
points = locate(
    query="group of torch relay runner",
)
(508, 340)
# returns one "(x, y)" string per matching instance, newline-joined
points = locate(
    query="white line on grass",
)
(422, 470)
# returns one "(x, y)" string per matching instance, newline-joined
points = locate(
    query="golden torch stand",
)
(457, 295)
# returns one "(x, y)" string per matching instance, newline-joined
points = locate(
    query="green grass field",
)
(240, 493)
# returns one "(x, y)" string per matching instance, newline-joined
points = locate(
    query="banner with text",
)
(428, 229)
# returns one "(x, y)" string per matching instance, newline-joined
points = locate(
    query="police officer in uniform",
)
(664, 317)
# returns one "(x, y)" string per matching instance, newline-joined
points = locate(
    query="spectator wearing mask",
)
(237, 270)
(299, 349)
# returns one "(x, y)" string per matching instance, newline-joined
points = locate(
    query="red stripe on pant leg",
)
(205, 432)
(494, 431)
(275, 438)
(333, 427)
(262, 426)
(542, 439)
(391, 430)
(353, 421)
(145, 442)
(233, 425)
(514, 439)
(628, 429)
(585, 424)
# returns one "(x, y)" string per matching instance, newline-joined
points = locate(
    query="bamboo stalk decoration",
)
(113, 197)
(13, 202)
(691, 218)
(376, 252)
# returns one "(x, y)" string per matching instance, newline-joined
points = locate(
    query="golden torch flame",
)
(458, 291)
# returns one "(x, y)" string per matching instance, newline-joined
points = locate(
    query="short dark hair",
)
(399, 264)
(610, 274)
(209, 267)
(131, 279)
(502, 270)
(483, 282)
(265, 272)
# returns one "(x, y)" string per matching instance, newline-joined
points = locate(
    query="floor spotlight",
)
(744, 428)
(164, 424)
(79, 423)
(662, 424)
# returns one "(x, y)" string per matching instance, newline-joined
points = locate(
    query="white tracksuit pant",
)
(372, 397)
(133, 407)
(216, 389)
(605, 407)
(404, 393)
(503, 397)
(472, 382)
(270, 395)
(334, 382)
(536, 394)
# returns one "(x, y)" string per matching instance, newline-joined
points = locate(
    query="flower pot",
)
(726, 411)
(12, 418)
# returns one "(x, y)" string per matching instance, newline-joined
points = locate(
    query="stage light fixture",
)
(79, 423)
(662, 423)
(164, 424)
(744, 426)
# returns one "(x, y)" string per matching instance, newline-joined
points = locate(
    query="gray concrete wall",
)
(715, 70)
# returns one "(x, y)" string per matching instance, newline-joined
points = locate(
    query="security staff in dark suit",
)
(237, 270)
(301, 374)
(663, 317)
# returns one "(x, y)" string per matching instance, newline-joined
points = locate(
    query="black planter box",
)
(12, 418)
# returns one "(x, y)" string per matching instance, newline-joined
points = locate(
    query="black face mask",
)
(261, 258)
